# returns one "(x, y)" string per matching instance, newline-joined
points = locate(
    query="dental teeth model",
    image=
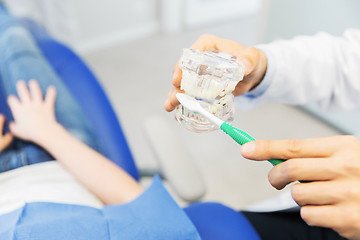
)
(210, 77)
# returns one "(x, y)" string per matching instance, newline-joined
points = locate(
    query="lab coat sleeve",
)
(321, 69)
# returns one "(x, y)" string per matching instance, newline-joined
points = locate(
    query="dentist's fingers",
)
(344, 219)
(35, 91)
(23, 91)
(248, 57)
(171, 101)
(292, 148)
(252, 59)
(208, 42)
(318, 193)
(254, 62)
(320, 216)
(303, 169)
(177, 76)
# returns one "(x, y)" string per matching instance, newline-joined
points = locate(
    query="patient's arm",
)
(34, 120)
(5, 139)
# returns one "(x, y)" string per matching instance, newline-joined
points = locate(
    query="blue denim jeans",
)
(21, 59)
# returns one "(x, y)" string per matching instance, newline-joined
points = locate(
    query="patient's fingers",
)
(5, 141)
(2, 122)
(35, 91)
(171, 102)
(14, 129)
(23, 91)
(50, 96)
(7, 138)
(14, 104)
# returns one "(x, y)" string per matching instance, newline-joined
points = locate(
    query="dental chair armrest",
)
(176, 165)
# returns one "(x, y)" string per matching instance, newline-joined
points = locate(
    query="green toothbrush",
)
(238, 135)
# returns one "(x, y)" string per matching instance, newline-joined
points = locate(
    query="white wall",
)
(110, 21)
(200, 12)
(289, 18)
(89, 25)
(178, 15)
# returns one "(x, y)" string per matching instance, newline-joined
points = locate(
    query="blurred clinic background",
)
(132, 46)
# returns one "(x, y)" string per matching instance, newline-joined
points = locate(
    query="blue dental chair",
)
(213, 220)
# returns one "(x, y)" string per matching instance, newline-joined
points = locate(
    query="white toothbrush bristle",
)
(188, 102)
(193, 105)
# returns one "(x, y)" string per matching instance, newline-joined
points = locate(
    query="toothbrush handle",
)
(242, 137)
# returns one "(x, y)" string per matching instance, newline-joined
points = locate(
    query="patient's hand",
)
(5, 139)
(34, 116)
(253, 60)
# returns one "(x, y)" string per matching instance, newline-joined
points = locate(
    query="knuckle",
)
(254, 52)
(294, 146)
(350, 166)
(349, 140)
(350, 191)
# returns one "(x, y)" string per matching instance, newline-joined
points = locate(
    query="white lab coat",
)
(321, 69)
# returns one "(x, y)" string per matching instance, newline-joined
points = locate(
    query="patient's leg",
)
(21, 59)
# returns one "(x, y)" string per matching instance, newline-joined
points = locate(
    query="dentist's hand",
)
(5, 139)
(331, 197)
(253, 60)
(34, 117)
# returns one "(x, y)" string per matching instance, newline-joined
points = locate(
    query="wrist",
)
(49, 132)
